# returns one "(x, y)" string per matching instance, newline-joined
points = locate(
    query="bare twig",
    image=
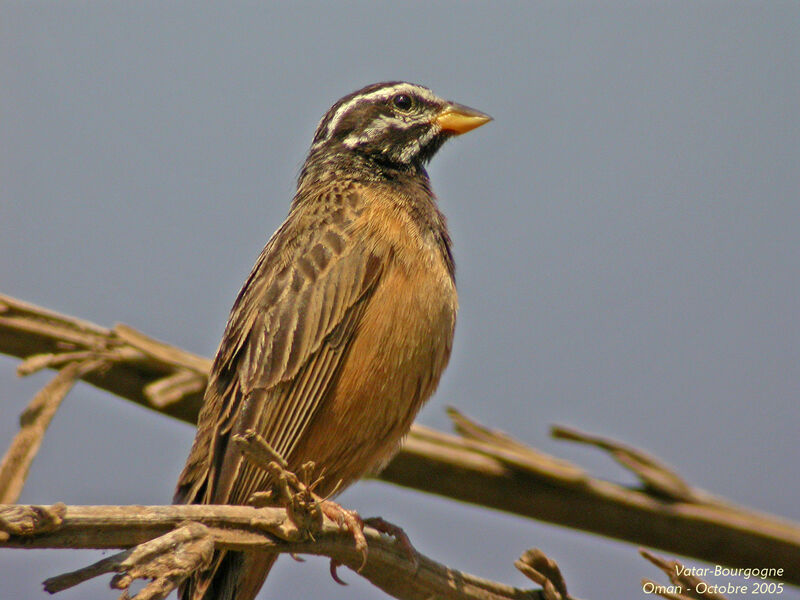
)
(237, 528)
(535, 485)
(513, 453)
(160, 351)
(33, 425)
(657, 477)
(481, 466)
(27, 330)
(535, 565)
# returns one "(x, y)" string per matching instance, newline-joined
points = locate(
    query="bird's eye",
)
(403, 101)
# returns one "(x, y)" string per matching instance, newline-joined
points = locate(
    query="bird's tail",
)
(232, 576)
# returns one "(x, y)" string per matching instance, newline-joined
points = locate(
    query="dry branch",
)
(480, 466)
(158, 530)
(526, 482)
(156, 375)
(541, 569)
(33, 425)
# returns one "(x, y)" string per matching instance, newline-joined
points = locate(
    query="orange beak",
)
(460, 119)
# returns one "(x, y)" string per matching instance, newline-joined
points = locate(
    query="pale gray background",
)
(626, 233)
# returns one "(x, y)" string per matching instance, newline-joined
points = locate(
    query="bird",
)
(345, 324)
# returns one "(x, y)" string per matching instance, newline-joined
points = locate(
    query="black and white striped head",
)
(395, 122)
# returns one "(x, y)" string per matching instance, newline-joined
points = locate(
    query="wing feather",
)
(284, 343)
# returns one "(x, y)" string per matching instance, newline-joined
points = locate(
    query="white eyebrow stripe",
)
(380, 93)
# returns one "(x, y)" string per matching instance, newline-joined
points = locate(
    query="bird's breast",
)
(394, 360)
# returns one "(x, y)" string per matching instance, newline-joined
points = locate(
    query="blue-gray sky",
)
(626, 233)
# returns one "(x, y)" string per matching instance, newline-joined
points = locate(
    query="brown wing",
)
(285, 340)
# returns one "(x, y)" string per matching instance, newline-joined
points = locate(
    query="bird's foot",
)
(395, 531)
(294, 492)
(350, 521)
(303, 506)
(301, 503)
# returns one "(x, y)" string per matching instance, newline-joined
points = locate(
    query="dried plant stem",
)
(480, 466)
(240, 528)
(33, 425)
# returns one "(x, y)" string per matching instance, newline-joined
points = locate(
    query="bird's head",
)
(395, 123)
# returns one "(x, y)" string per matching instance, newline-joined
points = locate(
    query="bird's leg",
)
(303, 506)
(287, 489)
(256, 449)
(306, 508)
